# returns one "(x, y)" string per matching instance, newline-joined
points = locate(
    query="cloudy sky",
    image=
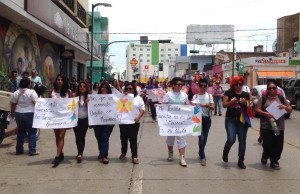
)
(254, 21)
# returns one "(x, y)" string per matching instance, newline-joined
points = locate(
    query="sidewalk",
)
(154, 174)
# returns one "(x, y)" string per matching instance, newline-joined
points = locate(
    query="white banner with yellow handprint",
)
(179, 120)
(55, 113)
(106, 109)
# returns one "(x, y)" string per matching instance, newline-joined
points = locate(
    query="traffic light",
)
(237, 66)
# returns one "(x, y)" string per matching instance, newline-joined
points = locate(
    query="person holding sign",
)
(176, 96)
(22, 108)
(60, 90)
(206, 102)
(130, 131)
(236, 100)
(80, 130)
(273, 130)
(102, 132)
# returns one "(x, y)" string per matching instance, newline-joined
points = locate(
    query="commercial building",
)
(151, 60)
(49, 36)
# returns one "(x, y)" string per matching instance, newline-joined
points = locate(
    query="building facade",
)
(49, 36)
(152, 60)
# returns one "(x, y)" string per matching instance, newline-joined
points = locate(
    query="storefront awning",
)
(276, 74)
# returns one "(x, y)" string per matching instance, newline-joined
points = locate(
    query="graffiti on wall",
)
(23, 50)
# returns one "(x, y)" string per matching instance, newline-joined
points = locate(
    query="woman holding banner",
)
(130, 131)
(102, 132)
(60, 90)
(176, 96)
(206, 102)
(80, 130)
(152, 100)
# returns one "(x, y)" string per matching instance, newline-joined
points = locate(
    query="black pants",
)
(272, 145)
(129, 131)
(80, 132)
(153, 110)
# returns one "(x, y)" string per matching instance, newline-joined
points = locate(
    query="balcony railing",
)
(81, 13)
(70, 4)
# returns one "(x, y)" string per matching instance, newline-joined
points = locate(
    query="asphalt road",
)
(27, 174)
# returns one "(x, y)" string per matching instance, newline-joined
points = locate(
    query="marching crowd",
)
(205, 93)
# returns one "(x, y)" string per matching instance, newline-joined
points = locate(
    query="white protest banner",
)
(106, 109)
(179, 120)
(115, 91)
(151, 95)
(159, 93)
(55, 113)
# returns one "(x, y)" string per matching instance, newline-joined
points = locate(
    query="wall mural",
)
(23, 50)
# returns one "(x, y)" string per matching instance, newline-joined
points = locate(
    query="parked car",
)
(292, 92)
(257, 92)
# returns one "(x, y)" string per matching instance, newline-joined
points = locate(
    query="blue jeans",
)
(102, 134)
(24, 124)
(206, 123)
(235, 127)
(218, 104)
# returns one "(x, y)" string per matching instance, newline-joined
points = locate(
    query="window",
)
(141, 49)
(141, 60)
(194, 66)
(169, 49)
(161, 49)
(141, 55)
(133, 55)
(176, 49)
(133, 49)
(169, 55)
(161, 55)
(161, 61)
(176, 55)
(148, 49)
(148, 55)
(148, 60)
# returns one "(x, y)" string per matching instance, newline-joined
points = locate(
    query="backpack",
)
(265, 97)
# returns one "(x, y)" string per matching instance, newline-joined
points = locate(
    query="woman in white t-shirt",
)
(130, 131)
(176, 96)
(60, 90)
(206, 102)
(22, 109)
(80, 130)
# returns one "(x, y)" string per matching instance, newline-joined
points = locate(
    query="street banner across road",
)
(55, 113)
(106, 109)
(179, 120)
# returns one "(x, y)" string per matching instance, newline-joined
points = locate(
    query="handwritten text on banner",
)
(56, 113)
(179, 120)
(104, 109)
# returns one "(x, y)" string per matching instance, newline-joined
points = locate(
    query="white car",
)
(257, 93)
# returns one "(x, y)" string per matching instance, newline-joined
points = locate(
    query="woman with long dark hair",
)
(130, 131)
(60, 90)
(102, 132)
(80, 130)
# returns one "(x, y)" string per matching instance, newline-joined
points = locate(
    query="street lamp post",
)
(233, 54)
(92, 36)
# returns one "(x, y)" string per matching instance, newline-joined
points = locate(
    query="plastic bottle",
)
(274, 127)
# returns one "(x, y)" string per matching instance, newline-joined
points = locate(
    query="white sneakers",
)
(182, 161)
(170, 157)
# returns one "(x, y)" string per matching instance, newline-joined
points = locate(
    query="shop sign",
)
(270, 61)
(294, 62)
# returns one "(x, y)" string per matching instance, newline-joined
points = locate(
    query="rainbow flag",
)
(246, 114)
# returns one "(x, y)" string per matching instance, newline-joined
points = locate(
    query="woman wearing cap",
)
(176, 96)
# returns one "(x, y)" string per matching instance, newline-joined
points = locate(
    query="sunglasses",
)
(202, 86)
(179, 84)
(239, 84)
(272, 88)
(128, 88)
